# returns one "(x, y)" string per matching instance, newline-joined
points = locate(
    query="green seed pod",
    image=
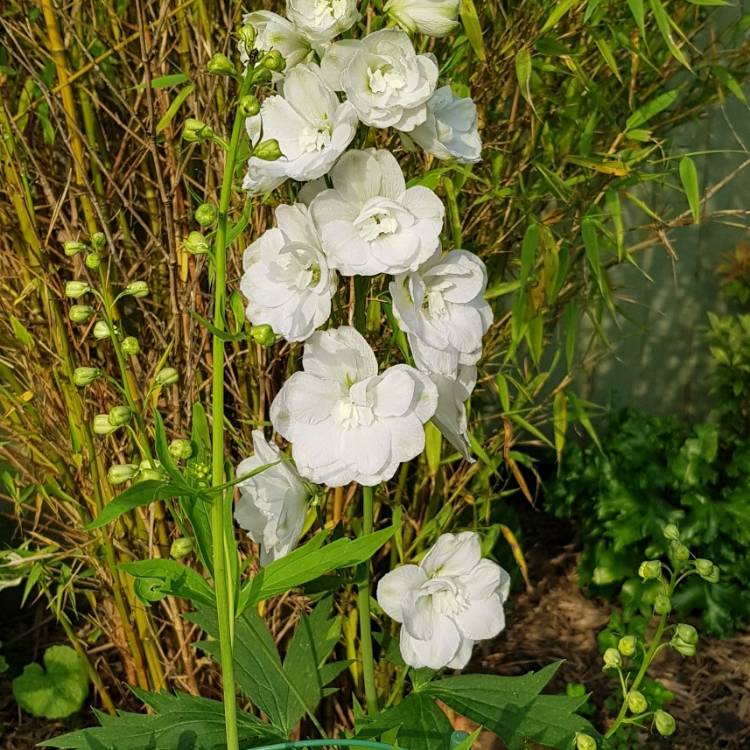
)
(273, 60)
(206, 215)
(76, 289)
(249, 105)
(196, 244)
(102, 425)
(662, 604)
(650, 569)
(98, 241)
(263, 335)
(585, 742)
(73, 247)
(268, 150)
(627, 645)
(119, 415)
(181, 547)
(195, 131)
(167, 376)
(93, 261)
(136, 289)
(81, 313)
(130, 346)
(637, 702)
(671, 532)
(180, 449)
(664, 723)
(119, 473)
(102, 330)
(220, 65)
(612, 658)
(85, 375)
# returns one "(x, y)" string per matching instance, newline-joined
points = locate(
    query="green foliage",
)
(55, 691)
(652, 471)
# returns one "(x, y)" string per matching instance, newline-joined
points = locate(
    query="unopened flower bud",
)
(181, 547)
(650, 569)
(196, 244)
(119, 473)
(73, 247)
(136, 289)
(150, 472)
(180, 449)
(76, 289)
(585, 742)
(263, 335)
(85, 375)
(98, 241)
(707, 570)
(664, 723)
(637, 702)
(119, 415)
(662, 604)
(249, 105)
(273, 60)
(130, 346)
(686, 632)
(612, 658)
(102, 330)
(671, 532)
(93, 261)
(80, 313)
(206, 214)
(680, 552)
(102, 425)
(268, 150)
(167, 376)
(220, 65)
(194, 131)
(627, 644)
(246, 35)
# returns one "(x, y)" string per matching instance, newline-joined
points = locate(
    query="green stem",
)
(363, 605)
(223, 577)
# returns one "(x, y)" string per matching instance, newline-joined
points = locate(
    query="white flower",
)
(312, 127)
(370, 223)
(442, 309)
(346, 423)
(446, 603)
(450, 130)
(273, 503)
(386, 81)
(432, 17)
(321, 20)
(287, 281)
(450, 415)
(272, 31)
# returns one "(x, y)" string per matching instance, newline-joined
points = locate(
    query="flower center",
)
(434, 302)
(377, 219)
(384, 80)
(354, 408)
(325, 11)
(314, 138)
(445, 595)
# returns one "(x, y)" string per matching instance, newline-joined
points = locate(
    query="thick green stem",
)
(363, 605)
(223, 577)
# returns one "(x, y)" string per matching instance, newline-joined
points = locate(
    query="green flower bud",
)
(268, 150)
(136, 289)
(180, 449)
(585, 742)
(664, 723)
(662, 604)
(196, 244)
(612, 658)
(637, 702)
(81, 313)
(686, 649)
(119, 473)
(181, 547)
(206, 214)
(273, 60)
(150, 470)
(671, 532)
(249, 105)
(73, 247)
(102, 425)
(650, 569)
(98, 241)
(680, 552)
(85, 375)
(246, 35)
(130, 346)
(263, 335)
(686, 633)
(102, 330)
(167, 376)
(76, 289)
(119, 415)
(220, 65)
(194, 131)
(93, 261)
(707, 570)
(627, 645)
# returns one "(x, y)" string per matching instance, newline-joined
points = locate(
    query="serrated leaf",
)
(689, 179)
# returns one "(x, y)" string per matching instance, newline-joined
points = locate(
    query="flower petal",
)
(394, 588)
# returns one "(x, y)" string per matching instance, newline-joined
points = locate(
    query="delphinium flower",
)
(345, 422)
(442, 309)
(312, 127)
(370, 222)
(431, 17)
(273, 31)
(273, 503)
(446, 603)
(287, 280)
(322, 20)
(450, 416)
(450, 130)
(383, 77)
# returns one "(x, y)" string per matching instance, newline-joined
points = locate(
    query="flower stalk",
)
(363, 605)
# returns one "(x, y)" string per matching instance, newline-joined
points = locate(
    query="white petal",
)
(484, 618)
(463, 655)
(453, 554)
(394, 587)
(436, 652)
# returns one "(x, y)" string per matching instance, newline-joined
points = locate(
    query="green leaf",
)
(176, 579)
(639, 13)
(174, 107)
(21, 333)
(136, 496)
(689, 179)
(560, 421)
(164, 456)
(163, 82)
(310, 562)
(523, 73)
(658, 104)
(180, 722)
(472, 27)
(558, 11)
(528, 251)
(433, 447)
(664, 24)
(55, 691)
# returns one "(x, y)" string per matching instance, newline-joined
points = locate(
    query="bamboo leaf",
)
(560, 420)
(639, 13)
(163, 82)
(658, 104)
(523, 73)
(689, 179)
(560, 9)
(174, 107)
(664, 24)
(472, 27)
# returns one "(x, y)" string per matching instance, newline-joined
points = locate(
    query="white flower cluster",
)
(345, 420)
